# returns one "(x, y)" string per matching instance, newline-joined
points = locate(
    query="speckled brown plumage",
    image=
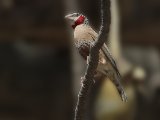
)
(83, 47)
(84, 37)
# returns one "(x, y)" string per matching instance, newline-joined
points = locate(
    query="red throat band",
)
(79, 21)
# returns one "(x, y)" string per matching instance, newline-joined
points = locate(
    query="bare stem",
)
(87, 83)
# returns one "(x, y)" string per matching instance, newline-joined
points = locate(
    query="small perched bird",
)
(84, 37)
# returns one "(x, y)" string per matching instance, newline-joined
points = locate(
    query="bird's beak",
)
(67, 17)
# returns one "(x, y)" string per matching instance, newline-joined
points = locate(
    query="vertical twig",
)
(81, 110)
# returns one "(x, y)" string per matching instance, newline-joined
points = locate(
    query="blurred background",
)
(40, 70)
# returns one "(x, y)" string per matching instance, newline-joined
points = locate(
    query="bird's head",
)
(76, 19)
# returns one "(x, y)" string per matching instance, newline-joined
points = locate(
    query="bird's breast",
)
(83, 47)
(83, 32)
(84, 37)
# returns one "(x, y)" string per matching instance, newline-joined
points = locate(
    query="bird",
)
(84, 38)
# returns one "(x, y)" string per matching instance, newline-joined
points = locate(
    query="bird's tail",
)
(115, 77)
(116, 81)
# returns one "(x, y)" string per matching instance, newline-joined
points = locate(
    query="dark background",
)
(35, 53)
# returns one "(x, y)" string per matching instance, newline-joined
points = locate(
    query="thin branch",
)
(81, 108)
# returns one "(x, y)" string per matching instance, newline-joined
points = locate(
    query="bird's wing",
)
(105, 68)
(110, 58)
(105, 51)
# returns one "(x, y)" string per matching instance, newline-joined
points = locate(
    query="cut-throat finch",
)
(84, 37)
